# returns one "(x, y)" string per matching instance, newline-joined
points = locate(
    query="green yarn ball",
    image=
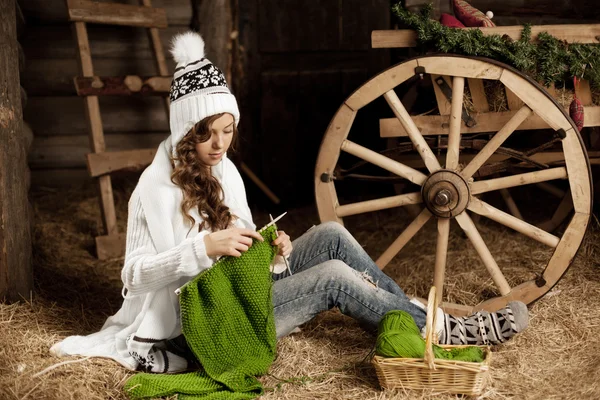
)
(399, 336)
(398, 320)
(398, 344)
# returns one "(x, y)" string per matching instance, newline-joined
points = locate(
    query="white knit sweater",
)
(162, 254)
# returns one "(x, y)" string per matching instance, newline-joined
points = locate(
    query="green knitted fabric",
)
(227, 320)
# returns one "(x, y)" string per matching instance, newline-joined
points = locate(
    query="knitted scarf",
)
(227, 320)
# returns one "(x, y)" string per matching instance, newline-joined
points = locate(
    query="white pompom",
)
(187, 47)
(489, 14)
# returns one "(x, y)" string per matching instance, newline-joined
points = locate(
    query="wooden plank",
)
(116, 14)
(122, 85)
(577, 33)
(456, 66)
(486, 122)
(16, 277)
(50, 116)
(44, 12)
(299, 26)
(59, 177)
(110, 161)
(110, 246)
(70, 151)
(53, 77)
(380, 84)
(478, 97)
(51, 42)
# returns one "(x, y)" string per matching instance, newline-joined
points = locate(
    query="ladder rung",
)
(122, 85)
(111, 161)
(116, 14)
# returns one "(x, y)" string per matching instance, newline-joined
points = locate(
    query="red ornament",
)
(576, 110)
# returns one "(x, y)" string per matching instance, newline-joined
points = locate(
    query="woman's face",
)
(221, 134)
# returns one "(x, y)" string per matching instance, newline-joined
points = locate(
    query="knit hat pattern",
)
(198, 89)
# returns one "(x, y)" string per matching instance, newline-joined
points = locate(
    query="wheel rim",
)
(448, 188)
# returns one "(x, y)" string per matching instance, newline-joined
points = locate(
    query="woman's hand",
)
(284, 243)
(230, 242)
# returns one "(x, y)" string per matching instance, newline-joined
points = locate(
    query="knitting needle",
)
(285, 259)
(272, 221)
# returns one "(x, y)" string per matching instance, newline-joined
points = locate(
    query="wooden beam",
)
(122, 85)
(47, 13)
(110, 161)
(60, 115)
(55, 77)
(16, 277)
(486, 122)
(116, 14)
(71, 151)
(579, 33)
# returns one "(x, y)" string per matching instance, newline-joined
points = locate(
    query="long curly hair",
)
(200, 188)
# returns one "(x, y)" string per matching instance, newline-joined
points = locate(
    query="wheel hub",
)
(446, 194)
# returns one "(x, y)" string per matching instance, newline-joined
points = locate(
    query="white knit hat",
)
(199, 88)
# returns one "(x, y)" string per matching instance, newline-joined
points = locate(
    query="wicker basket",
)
(443, 376)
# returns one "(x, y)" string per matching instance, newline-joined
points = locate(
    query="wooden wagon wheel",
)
(448, 188)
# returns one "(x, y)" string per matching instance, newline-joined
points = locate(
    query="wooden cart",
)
(458, 156)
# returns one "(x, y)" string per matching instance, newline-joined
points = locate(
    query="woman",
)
(190, 207)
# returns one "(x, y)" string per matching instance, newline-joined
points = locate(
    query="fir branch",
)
(547, 60)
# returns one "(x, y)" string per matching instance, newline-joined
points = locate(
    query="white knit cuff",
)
(278, 264)
(202, 259)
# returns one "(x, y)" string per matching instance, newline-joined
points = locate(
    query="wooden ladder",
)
(101, 162)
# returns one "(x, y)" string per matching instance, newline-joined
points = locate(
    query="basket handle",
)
(432, 301)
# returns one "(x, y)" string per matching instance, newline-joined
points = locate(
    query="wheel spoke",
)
(562, 211)
(384, 162)
(441, 255)
(517, 180)
(404, 237)
(510, 203)
(378, 204)
(499, 138)
(413, 132)
(458, 89)
(486, 210)
(484, 253)
(553, 190)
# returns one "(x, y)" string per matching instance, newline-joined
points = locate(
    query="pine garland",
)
(549, 60)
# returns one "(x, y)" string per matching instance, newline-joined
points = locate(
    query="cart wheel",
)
(450, 180)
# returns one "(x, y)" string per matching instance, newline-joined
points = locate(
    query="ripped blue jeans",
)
(331, 269)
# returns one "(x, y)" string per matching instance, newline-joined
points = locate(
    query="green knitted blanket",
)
(227, 320)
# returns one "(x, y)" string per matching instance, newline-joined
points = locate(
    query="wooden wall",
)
(56, 114)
